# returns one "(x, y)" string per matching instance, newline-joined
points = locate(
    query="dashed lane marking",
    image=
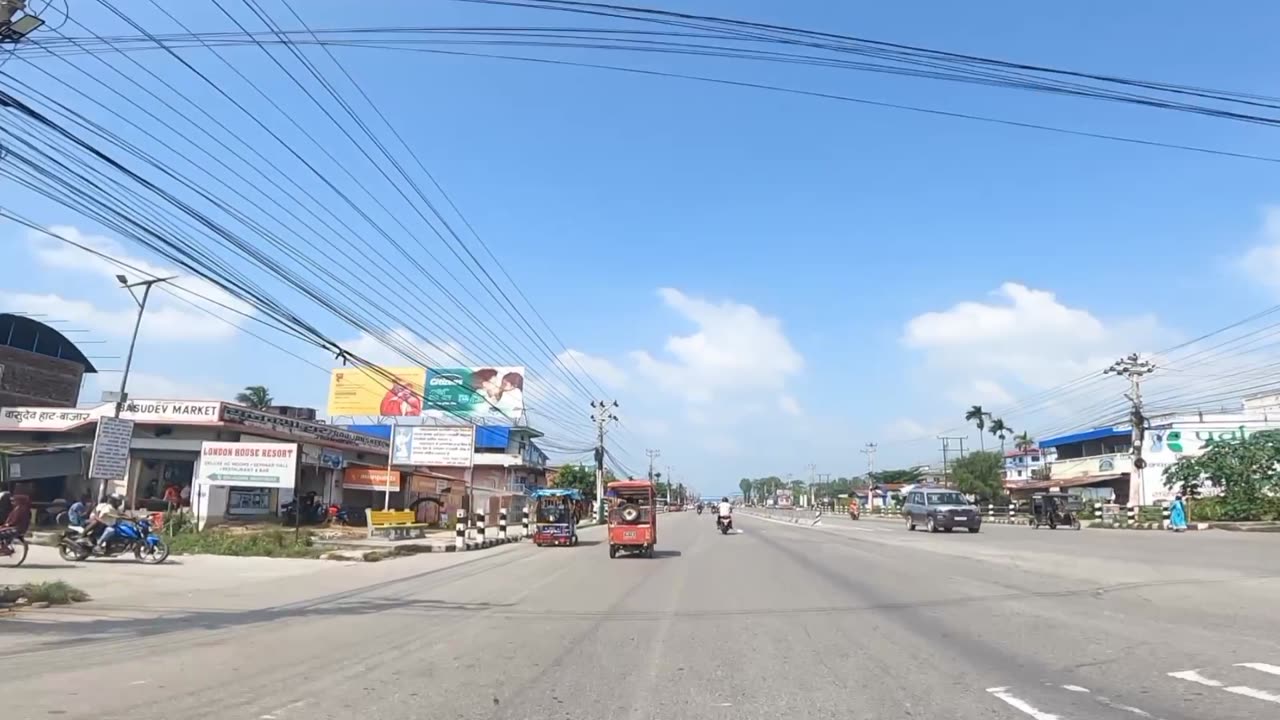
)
(1242, 690)
(1261, 667)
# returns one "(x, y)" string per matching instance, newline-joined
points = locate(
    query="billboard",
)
(494, 391)
(111, 446)
(439, 445)
(266, 465)
(368, 391)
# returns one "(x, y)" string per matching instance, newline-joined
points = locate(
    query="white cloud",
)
(1022, 335)
(736, 355)
(1261, 263)
(166, 317)
(601, 369)
(905, 429)
(377, 352)
(981, 391)
(162, 321)
(146, 385)
(788, 404)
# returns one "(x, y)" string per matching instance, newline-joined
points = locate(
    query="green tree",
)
(979, 474)
(578, 477)
(1024, 441)
(1247, 471)
(978, 417)
(255, 396)
(744, 485)
(907, 476)
(1000, 430)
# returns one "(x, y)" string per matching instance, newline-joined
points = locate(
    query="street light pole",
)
(146, 286)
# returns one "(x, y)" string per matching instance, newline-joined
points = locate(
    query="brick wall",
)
(27, 378)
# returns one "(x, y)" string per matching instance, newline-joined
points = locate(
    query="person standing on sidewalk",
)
(1178, 514)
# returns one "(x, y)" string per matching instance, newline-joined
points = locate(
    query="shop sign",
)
(331, 459)
(375, 479)
(164, 412)
(1106, 465)
(111, 449)
(270, 465)
(303, 430)
(438, 445)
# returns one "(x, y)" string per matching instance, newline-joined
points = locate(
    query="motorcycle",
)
(699, 509)
(314, 513)
(134, 536)
(725, 524)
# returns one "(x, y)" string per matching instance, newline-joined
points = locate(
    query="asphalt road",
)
(846, 620)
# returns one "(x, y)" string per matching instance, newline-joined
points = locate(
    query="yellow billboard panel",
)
(391, 392)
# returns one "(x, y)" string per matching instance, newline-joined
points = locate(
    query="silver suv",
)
(940, 509)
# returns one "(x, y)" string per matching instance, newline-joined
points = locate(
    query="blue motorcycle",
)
(134, 536)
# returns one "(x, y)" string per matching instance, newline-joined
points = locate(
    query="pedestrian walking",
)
(1178, 515)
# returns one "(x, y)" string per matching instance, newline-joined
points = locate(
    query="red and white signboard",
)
(269, 465)
(167, 412)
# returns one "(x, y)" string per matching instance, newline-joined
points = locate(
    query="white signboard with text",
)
(438, 445)
(111, 449)
(168, 412)
(269, 465)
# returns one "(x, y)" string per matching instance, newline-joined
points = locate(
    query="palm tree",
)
(745, 486)
(1000, 430)
(978, 416)
(255, 396)
(1024, 441)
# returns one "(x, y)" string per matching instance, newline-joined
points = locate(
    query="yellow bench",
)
(394, 522)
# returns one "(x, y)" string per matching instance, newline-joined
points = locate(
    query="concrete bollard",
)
(524, 521)
(1012, 509)
(460, 531)
(502, 523)
(480, 520)
(1132, 514)
(1164, 517)
(991, 511)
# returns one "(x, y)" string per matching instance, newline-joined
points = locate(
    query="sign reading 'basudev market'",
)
(271, 465)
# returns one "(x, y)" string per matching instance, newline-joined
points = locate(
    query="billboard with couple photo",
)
(495, 391)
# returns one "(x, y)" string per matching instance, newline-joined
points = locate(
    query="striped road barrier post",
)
(502, 523)
(460, 531)
(1012, 509)
(1132, 514)
(1164, 517)
(991, 511)
(480, 520)
(524, 520)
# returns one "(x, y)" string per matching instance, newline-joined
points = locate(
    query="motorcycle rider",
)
(107, 514)
(725, 511)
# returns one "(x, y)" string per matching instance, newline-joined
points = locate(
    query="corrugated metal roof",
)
(1095, 434)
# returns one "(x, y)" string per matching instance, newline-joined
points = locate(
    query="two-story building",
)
(1023, 466)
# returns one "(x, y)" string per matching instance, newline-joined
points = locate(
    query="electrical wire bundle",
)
(250, 225)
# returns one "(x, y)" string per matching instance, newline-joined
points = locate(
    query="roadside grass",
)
(272, 542)
(54, 592)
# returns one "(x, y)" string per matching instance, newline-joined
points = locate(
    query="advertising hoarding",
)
(267, 465)
(493, 391)
(439, 445)
(368, 391)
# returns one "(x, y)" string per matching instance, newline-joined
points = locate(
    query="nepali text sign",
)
(153, 412)
(269, 465)
(440, 445)
(111, 449)
(303, 430)
(376, 479)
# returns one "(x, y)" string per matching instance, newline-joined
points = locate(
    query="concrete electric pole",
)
(946, 445)
(870, 451)
(653, 455)
(1134, 368)
(602, 416)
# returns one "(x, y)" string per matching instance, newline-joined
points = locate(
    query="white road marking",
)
(1261, 667)
(1243, 690)
(1195, 677)
(1020, 704)
(1075, 688)
(138, 682)
(1254, 693)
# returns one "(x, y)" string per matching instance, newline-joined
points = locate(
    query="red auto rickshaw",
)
(633, 517)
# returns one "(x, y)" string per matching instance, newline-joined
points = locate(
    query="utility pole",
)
(824, 479)
(653, 454)
(602, 416)
(870, 451)
(812, 468)
(946, 445)
(1134, 368)
(146, 286)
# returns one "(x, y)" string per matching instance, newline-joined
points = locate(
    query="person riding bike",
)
(106, 515)
(16, 524)
(726, 508)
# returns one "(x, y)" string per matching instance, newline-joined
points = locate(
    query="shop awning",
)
(27, 461)
(1065, 483)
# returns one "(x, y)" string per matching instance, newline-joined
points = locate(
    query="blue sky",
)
(764, 281)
